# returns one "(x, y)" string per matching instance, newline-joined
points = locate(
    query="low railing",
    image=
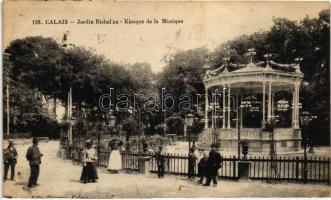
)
(177, 164)
(262, 168)
(290, 169)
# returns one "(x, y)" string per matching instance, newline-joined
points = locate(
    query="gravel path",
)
(60, 178)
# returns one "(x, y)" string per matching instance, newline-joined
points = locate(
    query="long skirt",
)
(115, 161)
(89, 172)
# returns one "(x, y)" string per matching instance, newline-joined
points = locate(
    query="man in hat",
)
(160, 162)
(10, 159)
(213, 164)
(33, 155)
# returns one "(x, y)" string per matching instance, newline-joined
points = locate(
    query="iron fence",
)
(261, 168)
(290, 169)
(177, 164)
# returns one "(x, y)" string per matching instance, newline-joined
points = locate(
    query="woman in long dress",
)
(89, 173)
(115, 158)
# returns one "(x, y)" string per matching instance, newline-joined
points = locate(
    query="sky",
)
(205, 24)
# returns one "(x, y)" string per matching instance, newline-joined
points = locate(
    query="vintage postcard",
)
(166, 99)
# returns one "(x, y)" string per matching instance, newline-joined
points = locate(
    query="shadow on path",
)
(75, 180)
(21, 183)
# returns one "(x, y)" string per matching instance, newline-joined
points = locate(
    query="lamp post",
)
(273, 154)
(189, 122)
(215, 116)
(134, 113)
(243, 105)
(112, 121)
(73, 122)
(243, 163)
(99, 127)
(311, 149)
(270, 126)
(305, 119)
(196, 119)
(238, 129)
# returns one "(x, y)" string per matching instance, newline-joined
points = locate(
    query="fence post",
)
(329, 174)
(297, 169)
(234, 167)
(168, 164)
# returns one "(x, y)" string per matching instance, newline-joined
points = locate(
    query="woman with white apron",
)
(115, 158)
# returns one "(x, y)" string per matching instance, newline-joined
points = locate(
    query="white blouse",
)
(90, 155)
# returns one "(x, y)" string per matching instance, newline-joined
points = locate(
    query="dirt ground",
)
(60, 178)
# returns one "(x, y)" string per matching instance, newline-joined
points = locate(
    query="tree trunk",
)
(54, 107)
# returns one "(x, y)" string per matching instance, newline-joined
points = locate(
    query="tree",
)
(183, 74)
(147, 97)
(141, 75)
(37, 62)
(130, 126)
(236, 49)
(27, 111)
(91, 76)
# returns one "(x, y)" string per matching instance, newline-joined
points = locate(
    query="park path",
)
(60, 178)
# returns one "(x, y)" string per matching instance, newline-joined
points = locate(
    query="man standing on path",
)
(192, 159)
(10, 159)
(202, 167)
(160, 162)
(33, 155)
(213, 164)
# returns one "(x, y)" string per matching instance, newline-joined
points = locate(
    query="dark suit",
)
(160, 164)
(202, 168)
(213, 164)
(192, 158)
(10, 155)
(33, 155)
